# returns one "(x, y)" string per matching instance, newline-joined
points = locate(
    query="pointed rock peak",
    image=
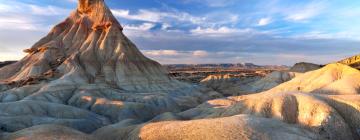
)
(86, 6)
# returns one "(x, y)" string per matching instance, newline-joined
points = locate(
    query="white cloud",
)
(47, 10)
(13, 7)
(200, 53)
(22, 16)
(264, 21)
(5, 8)
(161, 52)
(225, 32)
(142, 15)
(306, 12)
(323, 35)
(213, 3)
(73, 1)
(165, 26)
(221, 30)
(142, 27)
(157, 16)
(174, 17)
(6, 56)
(18, 23)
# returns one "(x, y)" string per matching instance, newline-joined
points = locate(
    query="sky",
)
(266, 32)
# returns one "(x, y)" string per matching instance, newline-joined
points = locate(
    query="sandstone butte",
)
(87, 81)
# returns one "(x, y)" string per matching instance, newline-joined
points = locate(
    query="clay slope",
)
(332, 79)
(86, 74)
(229, 86)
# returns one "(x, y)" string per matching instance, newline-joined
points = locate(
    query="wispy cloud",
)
(200, 53)
(214, 31)
(47, 10)
(175, 53)
(18, 23)
(213, 3)
(142, 15)
(303, 13)
(23, 16)
(162, 52)
(142, 27)
(264, 21)
(177, 18)
(156, 16)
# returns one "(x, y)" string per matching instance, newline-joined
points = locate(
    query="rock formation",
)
(353, 61)
(86, 74)
(89, 47)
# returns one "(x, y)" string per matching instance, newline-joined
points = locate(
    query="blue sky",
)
(205, 31)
